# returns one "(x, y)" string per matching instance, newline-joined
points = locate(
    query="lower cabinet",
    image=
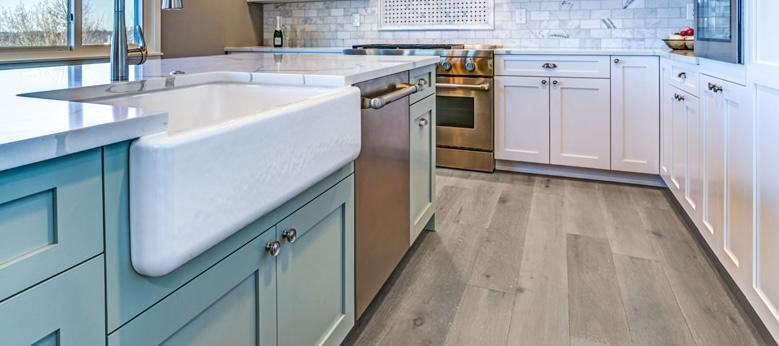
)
(685, 178)
(291, 285)
(67, 310)
(422, 133)
(522, 119)
(580, 122)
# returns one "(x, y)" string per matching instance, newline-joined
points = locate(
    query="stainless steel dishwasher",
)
(382, 208)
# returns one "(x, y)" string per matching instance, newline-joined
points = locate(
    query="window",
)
(62, 25)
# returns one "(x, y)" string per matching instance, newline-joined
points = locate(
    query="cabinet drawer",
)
(427, 74)
(580, 66)
(67, 310)
(685, 77)
(51, 218)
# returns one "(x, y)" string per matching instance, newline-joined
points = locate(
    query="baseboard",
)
(581, 173)
(733, 290)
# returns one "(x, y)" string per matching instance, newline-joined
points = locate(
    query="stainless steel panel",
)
(482, 161)
(479, 136)
(718, 30)
(382, 205)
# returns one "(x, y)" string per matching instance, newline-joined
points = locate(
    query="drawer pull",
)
(682, 75)
(273, 248)
(549, 65)
(291, 235)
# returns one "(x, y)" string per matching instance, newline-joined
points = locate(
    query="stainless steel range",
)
(464, 127)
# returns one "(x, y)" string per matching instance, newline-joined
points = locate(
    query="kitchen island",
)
(67, 269)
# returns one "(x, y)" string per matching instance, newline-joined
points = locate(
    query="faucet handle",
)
(139, 55)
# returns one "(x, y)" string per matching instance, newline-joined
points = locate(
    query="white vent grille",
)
(436, 14)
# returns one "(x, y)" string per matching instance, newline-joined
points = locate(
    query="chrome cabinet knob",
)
(291, 235)
(423, 122)
(555, 82)
(617, 61)
(544, 82)
(549, 65)
(273, 248)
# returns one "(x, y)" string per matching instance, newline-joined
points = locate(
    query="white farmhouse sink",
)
(232, 153)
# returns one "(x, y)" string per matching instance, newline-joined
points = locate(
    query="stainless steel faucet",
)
(121, 55)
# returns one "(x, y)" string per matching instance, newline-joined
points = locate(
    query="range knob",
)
(447, 66)
(470, 66)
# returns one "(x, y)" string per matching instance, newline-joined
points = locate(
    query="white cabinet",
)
(727, 215)
(580, 122)
(635, 114)
(666, 123)
(686, 179)
(522, 119)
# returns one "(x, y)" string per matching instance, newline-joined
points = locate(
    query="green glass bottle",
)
(278, 36)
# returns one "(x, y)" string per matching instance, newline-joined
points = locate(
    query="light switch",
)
(356, 19)
(520, 16)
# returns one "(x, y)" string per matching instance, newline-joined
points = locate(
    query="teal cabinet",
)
(51, 219)
(422, 166)
(232, 303)
(128, 294)
(66, 310)
(316, 270)
(425, 76)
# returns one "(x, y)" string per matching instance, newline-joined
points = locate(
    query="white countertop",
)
(33, 130)
(685, 56)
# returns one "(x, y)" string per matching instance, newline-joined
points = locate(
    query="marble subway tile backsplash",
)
(518, 23)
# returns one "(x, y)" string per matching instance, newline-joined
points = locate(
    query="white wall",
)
(550, 23)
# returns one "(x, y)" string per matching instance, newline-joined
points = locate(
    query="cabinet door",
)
(316, 270)
(422, 181)
(635, 114)
(66, 310)
(580, 122)
(522, 119)
(666, 125)
(714, 156)
(232, 303)
(678, 143)
(694, 158)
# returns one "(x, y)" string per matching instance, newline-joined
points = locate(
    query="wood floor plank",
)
(477, 203)
(483, 318)
(595, 305)
(540, 314)
(652, 313)
(584, 212)
(711, 314)
(626, 230)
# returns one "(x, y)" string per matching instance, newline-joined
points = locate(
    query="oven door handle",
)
(480, 87)
(404, 89)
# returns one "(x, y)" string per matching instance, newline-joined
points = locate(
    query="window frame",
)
(74, 49)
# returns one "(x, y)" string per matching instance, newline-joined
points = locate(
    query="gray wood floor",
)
(530, 260)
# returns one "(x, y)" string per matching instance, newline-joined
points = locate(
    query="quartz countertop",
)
(35, 129)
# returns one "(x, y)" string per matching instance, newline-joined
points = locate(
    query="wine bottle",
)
(278, 36)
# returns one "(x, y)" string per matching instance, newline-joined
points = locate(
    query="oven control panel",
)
(466, 66)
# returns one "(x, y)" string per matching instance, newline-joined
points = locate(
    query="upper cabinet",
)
(635, 114)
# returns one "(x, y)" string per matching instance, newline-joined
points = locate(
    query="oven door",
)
(718, 30)
(464, 113)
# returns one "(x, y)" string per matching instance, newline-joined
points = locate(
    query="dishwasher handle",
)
(480, 87)
(403, 90)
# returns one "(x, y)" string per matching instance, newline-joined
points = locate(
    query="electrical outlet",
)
(520, 16)
(356, 19)
(690, 11)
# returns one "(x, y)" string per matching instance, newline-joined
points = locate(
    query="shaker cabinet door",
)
(522, 119)
(232, 303)
(66, 310)
(422, 133)
(316, 270)
(635, 114)
(580, 122)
